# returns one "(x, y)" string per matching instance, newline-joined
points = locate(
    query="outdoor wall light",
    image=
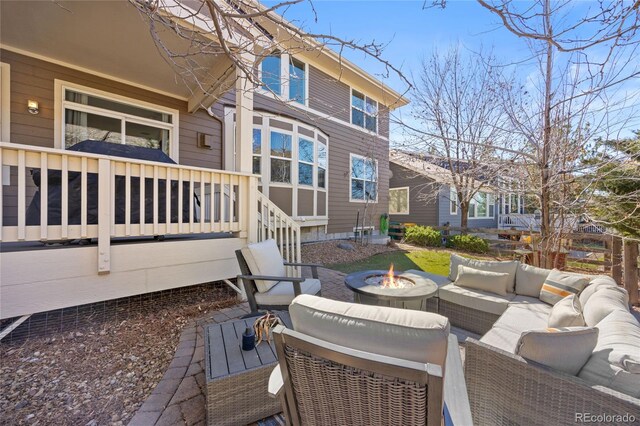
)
(33, 107)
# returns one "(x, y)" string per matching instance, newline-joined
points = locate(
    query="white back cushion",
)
(593, 286)
(604, 301)
(529, 279)
(264, 259)
(400, 333)
(508, 267)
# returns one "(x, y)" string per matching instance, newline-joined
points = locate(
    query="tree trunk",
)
(631, 270)
(464, 215)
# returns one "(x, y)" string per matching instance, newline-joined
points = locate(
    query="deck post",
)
(104, 216)
(244, 117)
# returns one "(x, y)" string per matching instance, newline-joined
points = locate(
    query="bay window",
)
(280, 157)
(322, 165)
(305, 162)
(257, 152)
(364, 179)
(364, 111)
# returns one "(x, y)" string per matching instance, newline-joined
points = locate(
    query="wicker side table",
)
(237, 380)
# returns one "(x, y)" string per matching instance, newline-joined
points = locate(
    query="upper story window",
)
(399, 200)
(364, 111)
(280, 157)
(364, 179)
(271, 73)
(91, 116)
(285, 76)
(322, 165)
(297, 81)
(257, 152)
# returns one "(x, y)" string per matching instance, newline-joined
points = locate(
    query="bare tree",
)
(458, 99)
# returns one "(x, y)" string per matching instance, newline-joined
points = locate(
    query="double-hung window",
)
(96, 117)
(280, 157)
(305, 161)
(399, 200)
(271, 73)
(481, 206)
(297, 81)
(453, 201)
(364, 179)
(322, 165)
(364, 111)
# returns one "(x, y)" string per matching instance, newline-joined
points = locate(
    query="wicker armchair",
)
(282, 289)
(504, 389)
(327, 384)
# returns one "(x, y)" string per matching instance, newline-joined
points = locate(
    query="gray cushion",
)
(531, 303)
(617, 349)
(604, 301)
(400, 333)
(563, 349)
(560, 284)
(567, 313)
(502, 338)
(493, 282)
(484, 265)
(520, 318)
(264, 259)
(529, 279)
(282, 293)
(594, 285)
(476, 299)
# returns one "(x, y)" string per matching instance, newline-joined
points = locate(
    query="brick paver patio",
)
(179, 398)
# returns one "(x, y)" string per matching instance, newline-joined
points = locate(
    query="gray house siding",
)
(421, 211)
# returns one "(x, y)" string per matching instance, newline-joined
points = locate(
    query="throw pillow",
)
(484, 265)
(560, 284)
(563, 349)
(493, 282)
(529, 279)
(567, 313)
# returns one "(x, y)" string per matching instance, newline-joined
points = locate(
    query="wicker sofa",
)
(505, 388)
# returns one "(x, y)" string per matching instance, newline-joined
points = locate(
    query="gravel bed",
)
(327, 252)
(100, 374)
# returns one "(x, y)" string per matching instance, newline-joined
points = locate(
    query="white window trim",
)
(351, 106)
(402, 188)
(377, 181)
(453, 201)
(285, 77)
(487, 203)
(5, 102)
(59, 106)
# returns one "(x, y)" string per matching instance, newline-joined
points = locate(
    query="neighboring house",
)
(90, 70)
(422, 192)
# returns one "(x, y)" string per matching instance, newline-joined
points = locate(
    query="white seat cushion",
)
(529, 279)
(520, 318)
(476, 299)
(618, 347)
(264, 259)
(508, 267)
(400, 333)
(282, 293)
(531, 303)
(502, 338)
(604, 301)
(440, 280)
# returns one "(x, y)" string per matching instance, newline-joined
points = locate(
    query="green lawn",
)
(433, 261)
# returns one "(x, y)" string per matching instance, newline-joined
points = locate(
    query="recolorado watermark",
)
(604, 418)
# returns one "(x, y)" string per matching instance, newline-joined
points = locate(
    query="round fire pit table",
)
(367, 289)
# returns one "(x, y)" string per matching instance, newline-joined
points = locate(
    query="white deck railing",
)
(529, 222)
(275, 224)
(84, 196)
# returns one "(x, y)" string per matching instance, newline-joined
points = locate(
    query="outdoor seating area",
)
(573, 347)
